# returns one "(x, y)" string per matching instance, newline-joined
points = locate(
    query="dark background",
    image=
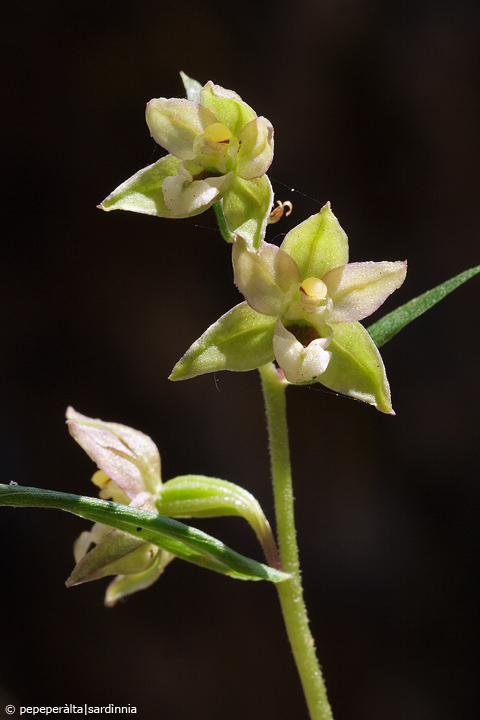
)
(376, 108)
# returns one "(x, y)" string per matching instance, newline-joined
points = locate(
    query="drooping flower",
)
(303, 305)
(218, 148)
(129, 473)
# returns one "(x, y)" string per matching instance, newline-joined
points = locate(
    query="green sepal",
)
(389, 325)
(318, 244)
(240, 340)
(118, 554)
(356, 368)
(183, 541)
(222, 225)
(192, 88)
(124, 585)
(142, 193)
(246, 207)
(198, 496)
(229, 109)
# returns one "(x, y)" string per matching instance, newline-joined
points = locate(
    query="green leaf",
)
(356, 368)
(192, 87)
(240, 340)
(318, 244)
(246, 207)
(181, 540)
(384, 329)
(198, 496)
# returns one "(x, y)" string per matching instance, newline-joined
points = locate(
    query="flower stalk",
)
(290, 592)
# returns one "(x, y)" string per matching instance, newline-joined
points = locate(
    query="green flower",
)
(218, 149)
(303, 305)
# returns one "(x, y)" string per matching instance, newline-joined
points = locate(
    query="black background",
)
(376, 108)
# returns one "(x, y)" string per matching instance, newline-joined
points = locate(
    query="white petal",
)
(300, 364)
(175, 123)
(81, 545)
(264, 277)
(256, 148)
(87, 538)
(358, 289)
(183, 197)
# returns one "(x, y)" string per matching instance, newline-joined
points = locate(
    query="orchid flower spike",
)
(218, 148)
(303, 305)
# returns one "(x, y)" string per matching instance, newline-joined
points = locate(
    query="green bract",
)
(218, 149)
(198, 496)
(303, 306)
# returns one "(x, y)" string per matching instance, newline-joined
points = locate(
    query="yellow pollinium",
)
(314, 290)
(108, 488)
(218, 132)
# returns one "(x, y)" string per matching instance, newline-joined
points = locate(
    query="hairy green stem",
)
(291, 592)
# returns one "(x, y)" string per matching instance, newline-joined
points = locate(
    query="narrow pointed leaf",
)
(384, 329)
(185, 542)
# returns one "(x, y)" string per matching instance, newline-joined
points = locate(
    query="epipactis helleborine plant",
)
(303, 305)
(218, 148)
